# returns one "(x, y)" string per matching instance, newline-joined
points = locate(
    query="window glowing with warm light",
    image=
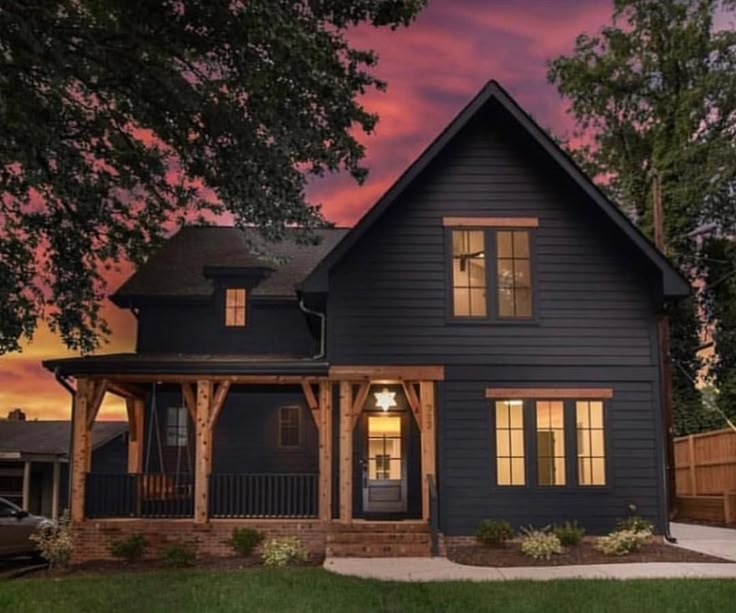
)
(513, 269)
(591, 445)
(510, 465)
(235, 307)
(550, 442)
(468, 273)
(384, 447)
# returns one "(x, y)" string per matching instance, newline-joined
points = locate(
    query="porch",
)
(339, 402)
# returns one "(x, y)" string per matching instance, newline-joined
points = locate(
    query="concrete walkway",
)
(715, 541)
(719, 542)
(442, 569)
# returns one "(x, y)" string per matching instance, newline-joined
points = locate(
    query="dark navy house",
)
(482, 344)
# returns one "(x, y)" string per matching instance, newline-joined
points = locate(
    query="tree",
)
(655, 91)
(123, 118)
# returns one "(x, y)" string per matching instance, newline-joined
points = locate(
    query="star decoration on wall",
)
(385, 399)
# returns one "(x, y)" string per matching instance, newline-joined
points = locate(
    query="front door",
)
(384, 467)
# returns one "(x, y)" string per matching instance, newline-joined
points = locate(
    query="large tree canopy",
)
(121, 118)
(655, 91)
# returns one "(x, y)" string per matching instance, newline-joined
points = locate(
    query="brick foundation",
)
(92, 538)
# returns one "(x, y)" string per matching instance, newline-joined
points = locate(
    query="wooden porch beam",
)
(387, 373)
(218, 402)
(413, 400)
(190, 400)
(215, 378)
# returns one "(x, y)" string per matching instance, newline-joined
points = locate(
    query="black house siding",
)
(594, 326)
(272, 327)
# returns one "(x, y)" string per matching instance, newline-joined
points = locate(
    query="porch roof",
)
(188, 364)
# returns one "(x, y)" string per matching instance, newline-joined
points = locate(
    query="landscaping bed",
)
(510, 555)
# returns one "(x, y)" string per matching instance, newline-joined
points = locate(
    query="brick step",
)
(380, 526)
(378, 550)
(383, 538)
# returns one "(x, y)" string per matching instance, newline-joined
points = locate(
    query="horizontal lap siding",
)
(595, 326)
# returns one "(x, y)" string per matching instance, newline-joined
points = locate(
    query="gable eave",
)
(674, 284)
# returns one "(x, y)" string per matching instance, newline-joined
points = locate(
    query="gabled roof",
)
(178, 268)
(673, 283)
(51, 437)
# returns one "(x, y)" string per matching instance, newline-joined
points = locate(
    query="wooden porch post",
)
(55, 481)
(135, 410)
(203, 453)
(80, 450)
(325, 450)
(26, 485)
(346, 452)
(427, 402)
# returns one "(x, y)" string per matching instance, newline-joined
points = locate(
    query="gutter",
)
(323, 329)
(64, 382)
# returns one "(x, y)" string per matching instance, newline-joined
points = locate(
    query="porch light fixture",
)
(385, 399)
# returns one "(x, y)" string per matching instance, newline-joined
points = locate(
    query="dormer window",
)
(235, 304)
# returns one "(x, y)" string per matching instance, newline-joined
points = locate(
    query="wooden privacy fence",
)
(705, 475)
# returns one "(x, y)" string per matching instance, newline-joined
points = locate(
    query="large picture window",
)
(550, 442)
(468, 273)
(514, 277)
(591, 444)
(510, 459)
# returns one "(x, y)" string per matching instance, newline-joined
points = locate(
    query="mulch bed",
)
(583, 553)
(115, 567)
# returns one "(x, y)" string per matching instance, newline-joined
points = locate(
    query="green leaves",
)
(123, 119)
(656, 90)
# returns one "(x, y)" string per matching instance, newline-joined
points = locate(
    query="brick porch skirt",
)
(92, 538)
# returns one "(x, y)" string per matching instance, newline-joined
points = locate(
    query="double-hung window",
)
(491, 268)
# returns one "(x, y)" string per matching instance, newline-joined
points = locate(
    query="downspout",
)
(323, 329)
(64, 382)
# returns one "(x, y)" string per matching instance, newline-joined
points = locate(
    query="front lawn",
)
(314, 589)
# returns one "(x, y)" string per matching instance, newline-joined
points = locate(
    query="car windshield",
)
(7, 507)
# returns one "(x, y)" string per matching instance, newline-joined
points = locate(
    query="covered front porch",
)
(366, 445)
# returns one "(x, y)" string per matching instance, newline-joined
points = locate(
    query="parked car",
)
(16, 526)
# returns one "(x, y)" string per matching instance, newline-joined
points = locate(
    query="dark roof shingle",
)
(51, 437)
(177, 268)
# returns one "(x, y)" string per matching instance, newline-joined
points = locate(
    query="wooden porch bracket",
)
(95, 395)
(218, 402)
(360, 399)
(126, 390)
(190, 400)
(310, 397)
(413, 400)
(135, 410)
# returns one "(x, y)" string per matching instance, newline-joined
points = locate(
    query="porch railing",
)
(264, 495)
(154, 495)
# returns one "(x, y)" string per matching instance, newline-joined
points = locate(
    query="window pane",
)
(516, 413)
(581, 414)
(235, 306)
(523, 303)
(477, 270)
(461, 301)
(502, 443)
(522, 278)
(559, 475)
(596, 414)
(505, 269)
(503, 471)
(598, 471)
(502, 414)
(289, 426)
(557, 415)
(477, 302)
(504, 248)
(517, 442)
(596, 443)
(521, 244)
(505, 302)
(517, 471)
(476, 243)
(460, 272)
(545, 470)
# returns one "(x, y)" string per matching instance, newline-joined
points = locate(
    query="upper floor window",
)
(290, 426)
(177, 422)
(508, 274)
(468, 273)
(514, 279)
(235, 298)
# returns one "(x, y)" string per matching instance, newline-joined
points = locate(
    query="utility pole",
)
(665, 359)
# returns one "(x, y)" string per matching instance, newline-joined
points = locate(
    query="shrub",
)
(622, 542)
(179, 553)
(245, 540)
(635, 523)
(494, 532)
(539, 544)
(54, 541)
(129, 549)
(569, 533)
(284, 550)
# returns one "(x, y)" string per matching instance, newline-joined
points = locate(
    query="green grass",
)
(314, 589)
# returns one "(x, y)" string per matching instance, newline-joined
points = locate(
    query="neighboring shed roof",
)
(51, 437)
(673, 283)
(177, 269)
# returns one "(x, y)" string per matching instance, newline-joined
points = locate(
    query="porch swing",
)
(163, 486)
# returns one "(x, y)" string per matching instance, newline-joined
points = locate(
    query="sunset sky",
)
(432, 69)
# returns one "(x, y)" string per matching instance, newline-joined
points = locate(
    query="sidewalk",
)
(441, 569)
(719, 542)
